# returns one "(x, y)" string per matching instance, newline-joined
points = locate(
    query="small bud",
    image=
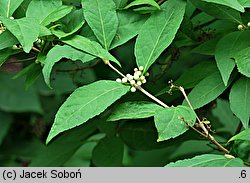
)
(118, 80)
(1, 31)
(229, 156)
(136, 76)
(144, 81)
(133, 89)
(139, 83)
(248, 24)
(132, 82)
(141, 68)
(142, 77)
(12, 18)
(240, 27)
(124, 80)
(147, 74)
(39, 41)
(135, 69)
(15, 47)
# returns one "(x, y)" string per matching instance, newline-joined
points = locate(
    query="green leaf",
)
(193, 76)
(206, 91)
(129, 26)
(40, 9)
(90, 47)
(208, 160)
(245, 3)
(5, 123)
(108, 152)
(169, 122)
(70, 24)
(13, 97)
(244, 135)
(206, 48)
(158, 32)
(8, 7)
(57, 53)
(85, 103)
(218, 11)
(59, 13)
(242, 60)
(143, 2)
(7, 39)
(120, 3)
(227, 48)
(101, 17)
(55, 153)
(240, 100)
(4, 54)
(26, 30)
(230, 3)
(140, 135)
(134, 110)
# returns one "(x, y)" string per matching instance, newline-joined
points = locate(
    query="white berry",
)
(144, 81)
(248, 24)
(142, 77)
(132, 82)
(139, 83)
(136, 76)
(1, 31)
(147, 74)
(124, 80)
(138, 73)
(141, 68)
(135, 69)
(133, 89)
(118, 80)
(12, 18)
(14, 47)
(240, 27)
(129, 76)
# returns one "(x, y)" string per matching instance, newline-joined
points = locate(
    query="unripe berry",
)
(12, 18)
(147, 74)
(248, 24)
(136, 76)
(240, 27)
(142, 77)
(139, 83)
(135, 69)
(129, 76)
(133, 89)
(141, 68)
(124, 80)
(144, 81)
(1, 31)
(118, 80)
(15, 47)
(132, 82)
(138, 73)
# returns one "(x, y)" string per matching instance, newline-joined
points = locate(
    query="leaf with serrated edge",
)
(206, 91)
(230, 3)
(169, 121)
(242, 60)
(57, 53)
(90, 47)
(101, 17)
(240, 100)
(208, 160)
(134, 110)
(85, 103)
(244, 135)
(26, 30)
(224, 52)
(158, 32)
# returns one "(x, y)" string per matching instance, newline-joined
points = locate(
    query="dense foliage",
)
(124, 83)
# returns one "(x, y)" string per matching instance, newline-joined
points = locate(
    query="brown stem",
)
(207, 135)
(35, 49)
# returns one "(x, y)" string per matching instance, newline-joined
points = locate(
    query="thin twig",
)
(35, 49)
(210, 137)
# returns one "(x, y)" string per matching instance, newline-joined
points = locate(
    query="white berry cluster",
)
(137, 79)
(243, 27)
